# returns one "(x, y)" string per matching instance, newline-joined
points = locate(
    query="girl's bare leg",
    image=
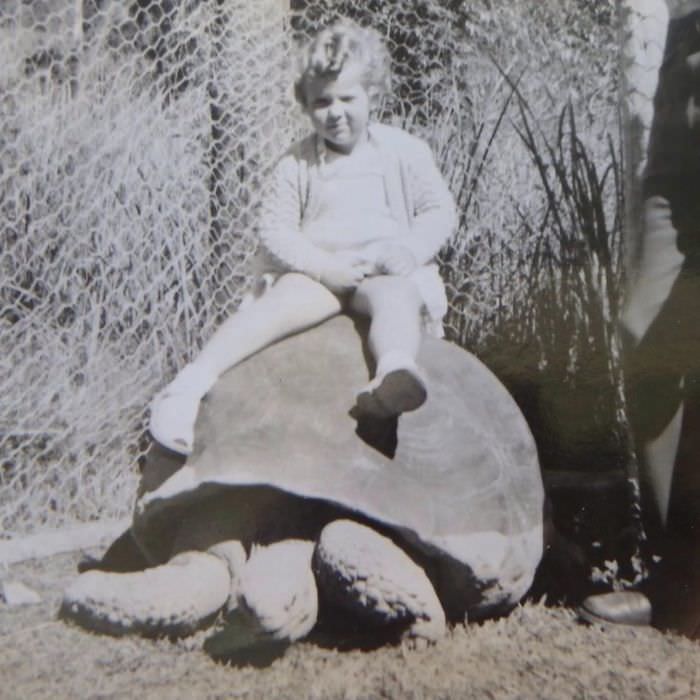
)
(293, 303)
(394, 305)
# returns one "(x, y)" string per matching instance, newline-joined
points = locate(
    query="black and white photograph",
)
(350, 350)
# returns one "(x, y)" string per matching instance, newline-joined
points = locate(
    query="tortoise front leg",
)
(276, 603)
(173, 600)
(366, 574)
(277, 591)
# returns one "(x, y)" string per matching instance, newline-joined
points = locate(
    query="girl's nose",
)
(334, 110)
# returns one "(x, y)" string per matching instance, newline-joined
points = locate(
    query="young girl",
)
(353, 217)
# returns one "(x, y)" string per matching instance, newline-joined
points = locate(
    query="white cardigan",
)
(418, 198)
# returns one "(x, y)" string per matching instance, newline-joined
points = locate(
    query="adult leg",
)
(653, 387)
(657, 325)
(394, 306)
(676, 594)
(295, 302)
(661, 358)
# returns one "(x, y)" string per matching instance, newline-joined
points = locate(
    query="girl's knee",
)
(298, 283)
(296, 279)
(296, 287)
(394, 288)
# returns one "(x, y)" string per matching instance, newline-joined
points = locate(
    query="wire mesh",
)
(134, 140)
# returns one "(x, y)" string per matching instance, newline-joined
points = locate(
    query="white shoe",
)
(399, 386)
(174, 409)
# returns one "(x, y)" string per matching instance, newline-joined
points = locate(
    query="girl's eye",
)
(321, 103)
(347, 98)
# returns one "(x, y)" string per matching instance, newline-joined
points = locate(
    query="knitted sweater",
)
(417, 196)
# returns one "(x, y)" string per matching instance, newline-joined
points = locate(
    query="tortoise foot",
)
(366, 574)
(173, 600)
(277, 594)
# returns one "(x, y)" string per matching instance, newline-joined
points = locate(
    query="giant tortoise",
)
(292, 507)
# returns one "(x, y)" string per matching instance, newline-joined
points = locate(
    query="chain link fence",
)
(134, 139)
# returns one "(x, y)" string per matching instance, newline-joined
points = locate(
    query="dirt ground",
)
(536, 652)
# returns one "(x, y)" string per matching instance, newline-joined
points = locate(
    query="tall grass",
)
(559, 348)
(572, 271)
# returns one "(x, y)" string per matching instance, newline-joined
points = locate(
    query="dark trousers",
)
(662, 369)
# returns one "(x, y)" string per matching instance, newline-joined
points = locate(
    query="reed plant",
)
(564, 361)
(573, 269)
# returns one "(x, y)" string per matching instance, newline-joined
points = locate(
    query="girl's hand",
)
(344, 271)
(396, 259)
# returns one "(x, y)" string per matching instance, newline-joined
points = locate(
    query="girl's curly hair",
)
(342, 42)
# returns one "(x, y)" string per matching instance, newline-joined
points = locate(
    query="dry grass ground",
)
(536, 653)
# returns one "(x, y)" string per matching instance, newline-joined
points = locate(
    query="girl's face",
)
(339, 108)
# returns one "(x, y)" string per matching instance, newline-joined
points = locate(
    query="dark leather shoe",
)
(620, 608)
